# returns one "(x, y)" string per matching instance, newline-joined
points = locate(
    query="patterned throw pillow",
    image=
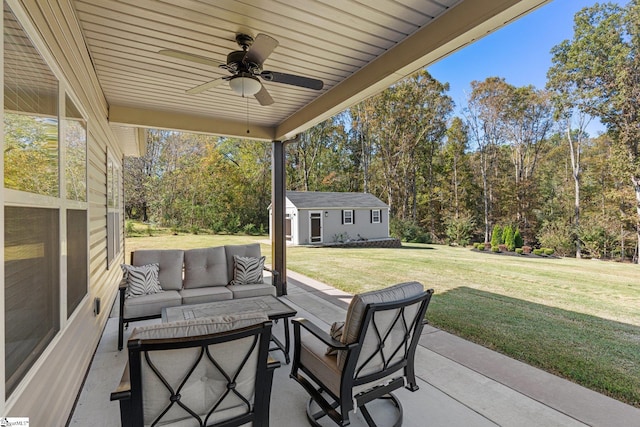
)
(141, 280)
(247, 270)
(336, 334)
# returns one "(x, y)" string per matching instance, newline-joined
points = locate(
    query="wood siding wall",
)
(48, 393)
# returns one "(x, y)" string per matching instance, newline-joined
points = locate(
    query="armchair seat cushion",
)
(150, 305)
(313, 356)
(256, 290)
(202, 295)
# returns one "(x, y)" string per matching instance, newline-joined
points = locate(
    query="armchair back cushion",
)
(170, 261)
(391, 324)
(205, 267)
(191, 374)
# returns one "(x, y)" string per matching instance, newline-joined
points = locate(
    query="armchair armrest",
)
(123, 391)
(322, 335)
(272, 363)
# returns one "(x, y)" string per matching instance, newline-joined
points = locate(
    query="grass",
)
(579, 319)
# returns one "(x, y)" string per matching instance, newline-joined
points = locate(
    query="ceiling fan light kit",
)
(246, 70)
(245, 85)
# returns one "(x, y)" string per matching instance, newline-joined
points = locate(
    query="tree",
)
(602, 63)
(483, 119)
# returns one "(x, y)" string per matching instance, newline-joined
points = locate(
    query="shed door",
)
(316, 227)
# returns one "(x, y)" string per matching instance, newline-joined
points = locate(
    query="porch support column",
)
(278, 204)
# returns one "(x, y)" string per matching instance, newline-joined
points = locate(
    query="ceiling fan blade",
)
(205, 86)
(290, 79)
(260, 50)
(190, 57)
(263, 97)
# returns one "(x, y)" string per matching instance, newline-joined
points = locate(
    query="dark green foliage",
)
(517, 239)
(507, 237)
(496, 237)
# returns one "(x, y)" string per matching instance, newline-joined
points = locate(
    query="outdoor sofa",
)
(191, 276)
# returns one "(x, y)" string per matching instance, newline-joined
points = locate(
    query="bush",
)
(538, 251)
(459, 230)
(496, 236)
(559, 236)
(409, 231)
(519, 251)
(495, 248)
(507, 238)
(130, 228)
(548, 251)
(480, 246)
(517, 239)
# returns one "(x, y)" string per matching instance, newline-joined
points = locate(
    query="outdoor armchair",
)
(204, 372)
(365, 359)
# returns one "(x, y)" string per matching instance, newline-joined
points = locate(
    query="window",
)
(113, 210)
(30, 115)
(32, 284)
(347, 216)
(375, 216)
(45, 167)
(75, 144)
(77, 271)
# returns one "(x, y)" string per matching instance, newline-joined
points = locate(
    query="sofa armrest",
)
(275, 275)
(123, 391)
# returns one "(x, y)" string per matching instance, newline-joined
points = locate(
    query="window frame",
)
(373, 216)
(351, 218)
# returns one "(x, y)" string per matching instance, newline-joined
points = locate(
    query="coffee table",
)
(274, 308)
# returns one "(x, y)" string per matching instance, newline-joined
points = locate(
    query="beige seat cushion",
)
(150, 305)
(246, 291)
(202, 295)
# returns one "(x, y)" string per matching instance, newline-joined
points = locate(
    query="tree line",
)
(516, 156)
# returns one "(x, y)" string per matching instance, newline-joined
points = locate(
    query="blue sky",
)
(519, 52)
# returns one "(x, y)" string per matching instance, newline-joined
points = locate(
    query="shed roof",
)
(342, 200)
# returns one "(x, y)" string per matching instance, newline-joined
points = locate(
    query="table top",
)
(272, 306)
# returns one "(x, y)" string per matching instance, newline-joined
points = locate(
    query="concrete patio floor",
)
(461, 383)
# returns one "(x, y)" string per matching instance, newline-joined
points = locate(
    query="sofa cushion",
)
(247, 270)
(257, 290)
(170, 262)
(205, 267)
(355, 314)
(201, 295)
(150, 305)
(141, 280)
(250, 250)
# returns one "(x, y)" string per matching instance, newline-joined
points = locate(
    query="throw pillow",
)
(336, 334)
(142, 279)
(247, 270)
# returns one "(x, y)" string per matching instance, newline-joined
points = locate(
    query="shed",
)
(334, 217)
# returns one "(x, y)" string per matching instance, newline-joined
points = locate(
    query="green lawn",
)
(579, 319)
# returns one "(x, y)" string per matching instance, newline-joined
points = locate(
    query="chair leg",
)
(394, 400)
(120, 333)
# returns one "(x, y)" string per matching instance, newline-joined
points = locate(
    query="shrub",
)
(459, 230)
(495, 248)
(559, 236)
(517, 239)
(548, 251)
(496, 236)
(480, 246)
(519, 251)
(130, 228)
(538, 251)
(409, 231)
(507, 237)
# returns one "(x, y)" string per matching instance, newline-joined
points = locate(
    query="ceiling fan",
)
(246, 70)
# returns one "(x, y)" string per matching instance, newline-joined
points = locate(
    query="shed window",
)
(347, 216)
(375, 216)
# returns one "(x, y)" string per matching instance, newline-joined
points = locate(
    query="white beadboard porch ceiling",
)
(356, 47)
